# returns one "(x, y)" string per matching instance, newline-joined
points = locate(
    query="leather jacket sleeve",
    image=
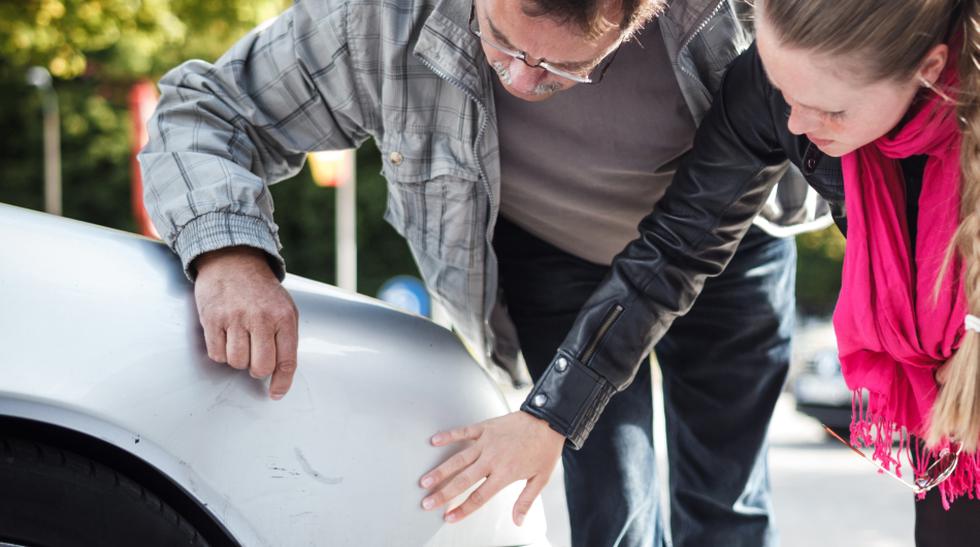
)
(740, 151)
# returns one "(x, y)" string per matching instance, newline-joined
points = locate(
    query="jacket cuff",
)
(217, 230)
(570, 397)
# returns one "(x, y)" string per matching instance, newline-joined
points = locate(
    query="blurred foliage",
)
(95, 50)
(120, 39)
(818, 271)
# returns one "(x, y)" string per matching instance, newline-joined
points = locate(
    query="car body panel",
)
(100, 334)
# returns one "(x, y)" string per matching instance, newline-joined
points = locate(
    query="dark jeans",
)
(937, 527)
(723, 366)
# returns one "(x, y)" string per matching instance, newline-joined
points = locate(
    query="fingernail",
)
(436, 439)
(452, 517)
(520, 520)
(428, 503)
(277, 396)
(427, 482)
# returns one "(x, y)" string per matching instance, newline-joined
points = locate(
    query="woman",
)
(903, 116)
(890, 88)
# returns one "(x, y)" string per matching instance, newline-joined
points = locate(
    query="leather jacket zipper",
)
(607, 322)
(690, 38)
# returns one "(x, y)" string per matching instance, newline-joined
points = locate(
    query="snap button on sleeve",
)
(395, 158)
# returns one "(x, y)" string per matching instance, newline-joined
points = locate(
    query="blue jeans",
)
(723, 366)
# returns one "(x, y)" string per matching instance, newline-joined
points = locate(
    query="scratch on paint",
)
(284, 470)
(222, 399)
(314, 473)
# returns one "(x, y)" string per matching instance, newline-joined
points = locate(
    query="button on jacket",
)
(329, 74)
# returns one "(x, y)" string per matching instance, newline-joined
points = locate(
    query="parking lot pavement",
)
(824, 494)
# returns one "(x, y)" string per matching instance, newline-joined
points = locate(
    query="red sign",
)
(142, 103)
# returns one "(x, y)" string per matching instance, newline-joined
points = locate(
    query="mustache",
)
(503, 73)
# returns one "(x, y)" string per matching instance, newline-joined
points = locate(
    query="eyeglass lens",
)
(939, 470)
(592, 76)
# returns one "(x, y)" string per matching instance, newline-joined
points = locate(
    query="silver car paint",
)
(99, 334)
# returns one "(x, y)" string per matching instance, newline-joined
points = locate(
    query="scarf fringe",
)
(870, 429)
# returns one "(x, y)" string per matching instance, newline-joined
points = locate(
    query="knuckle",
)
(208, 316)
(459, 460)
(477, 498)
(283, 315)
(261, 317)
(218, 311)
(222, 319)
(464, 481)
(287, 367)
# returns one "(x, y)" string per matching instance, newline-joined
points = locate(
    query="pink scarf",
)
(891, 333)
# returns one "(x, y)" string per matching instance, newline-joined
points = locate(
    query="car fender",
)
(100, 335)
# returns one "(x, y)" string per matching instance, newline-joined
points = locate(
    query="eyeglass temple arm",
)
(878, 466)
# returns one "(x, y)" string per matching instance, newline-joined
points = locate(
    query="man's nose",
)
(524, 78)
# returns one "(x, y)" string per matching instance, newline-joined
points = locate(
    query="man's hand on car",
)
(249, 319)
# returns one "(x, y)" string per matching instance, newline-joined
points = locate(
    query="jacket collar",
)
(687, 17)
(450, 49)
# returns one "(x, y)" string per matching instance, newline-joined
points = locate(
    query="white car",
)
(116, 429)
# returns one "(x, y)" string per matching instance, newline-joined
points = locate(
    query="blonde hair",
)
(870, 35)
(863, 29)
(956, 413)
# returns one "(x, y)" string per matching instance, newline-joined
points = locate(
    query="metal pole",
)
(347, 226)
(40, 78)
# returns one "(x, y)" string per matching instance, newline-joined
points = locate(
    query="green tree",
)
(818, 270)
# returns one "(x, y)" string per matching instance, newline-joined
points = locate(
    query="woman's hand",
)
(510, 448)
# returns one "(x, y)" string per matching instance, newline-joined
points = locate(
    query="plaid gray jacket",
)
(329, 74)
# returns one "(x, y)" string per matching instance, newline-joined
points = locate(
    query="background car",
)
(816, 380)
(821, 392)
(115, 428)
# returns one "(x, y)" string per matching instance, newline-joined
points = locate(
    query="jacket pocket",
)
(434, 201)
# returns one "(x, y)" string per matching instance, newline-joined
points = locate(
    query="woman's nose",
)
(802, 121)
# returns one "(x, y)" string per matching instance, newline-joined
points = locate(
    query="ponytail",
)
(956, 412)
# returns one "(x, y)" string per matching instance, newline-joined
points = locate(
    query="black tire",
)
(51, 497)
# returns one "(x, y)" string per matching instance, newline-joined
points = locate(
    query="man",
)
(522, 141)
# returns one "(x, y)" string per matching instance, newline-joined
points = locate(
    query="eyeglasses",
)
(585, 77)
(936, 473)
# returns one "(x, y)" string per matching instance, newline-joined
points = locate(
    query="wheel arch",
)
(136, 469)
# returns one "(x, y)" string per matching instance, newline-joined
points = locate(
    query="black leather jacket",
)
(740, 150)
